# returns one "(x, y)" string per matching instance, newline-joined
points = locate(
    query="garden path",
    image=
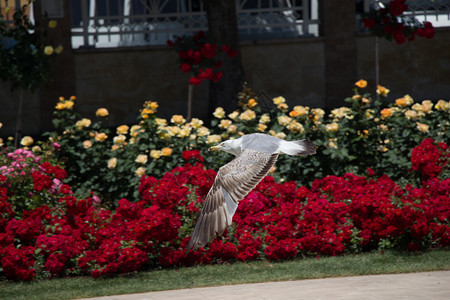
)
(425, 285)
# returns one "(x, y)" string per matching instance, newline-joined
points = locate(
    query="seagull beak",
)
(214, 148)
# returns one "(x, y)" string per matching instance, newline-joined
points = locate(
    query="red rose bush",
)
(276, 221)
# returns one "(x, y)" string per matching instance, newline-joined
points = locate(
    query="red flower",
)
(369, 23)
(185, 67)
(208, 50)
(195, 81)
(399, 37)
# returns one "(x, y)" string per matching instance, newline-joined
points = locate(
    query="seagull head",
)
(230, 146)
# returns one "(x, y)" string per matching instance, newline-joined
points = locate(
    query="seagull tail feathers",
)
(297, 148)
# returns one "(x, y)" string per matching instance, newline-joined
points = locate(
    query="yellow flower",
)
(264, 119)
(219, 113)
(112, 163)
(232, 128)
(173, 130)
(59, 49)
(280, 135)
(48, 50)
(284, 120)
(225, 123)
(100, 137)
(1, 142)
(87, 144)
(184, 132)
(278, 100)
(36, 149)
(404, 101)
(247, 115)
(261, 127)
(155, 154)
(140, 171)
(382, 91)
(295, 126)
(443, 105)
(160, 122)
(382, 148)
(427, 106)
(141, 159)
(282, 106)
(60, 106)
(294, 113)
(386, 113)
(213, 139)
(361, 84)
(233, 115)
(52, 23)
(83, 123)
(422, 127)
(135, 130)
(153, 105)
(202, 131)
(177, 119)
(318, 114)
(73, 98)
(302, 110)
(196, 123)
(341, 113)
(364, 100)
(27, 141)
(332, 127)
(120, 139)
(369, 113)
(115, 147)
(69, 104)
(411, 114)
(252, 103)
(331, 144)
(166, 151)
(102, 112)
(122, 129)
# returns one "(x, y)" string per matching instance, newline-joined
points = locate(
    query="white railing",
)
(435, 11)
(120, 23)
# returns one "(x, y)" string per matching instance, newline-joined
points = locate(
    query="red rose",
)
(369, 23)
(195, 81)
(209, 50)
(397, 7)
(399, 37)
(185, 67)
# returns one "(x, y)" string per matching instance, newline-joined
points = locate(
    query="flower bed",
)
(65, 235)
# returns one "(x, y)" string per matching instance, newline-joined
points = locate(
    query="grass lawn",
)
(213, 275)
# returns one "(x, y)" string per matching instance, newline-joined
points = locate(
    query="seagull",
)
(255, 155)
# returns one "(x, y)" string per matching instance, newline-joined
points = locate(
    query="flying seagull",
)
(255, 155)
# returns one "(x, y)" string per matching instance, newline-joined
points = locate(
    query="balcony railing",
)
(122, 23)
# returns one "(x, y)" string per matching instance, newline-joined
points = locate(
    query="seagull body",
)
(255, 155)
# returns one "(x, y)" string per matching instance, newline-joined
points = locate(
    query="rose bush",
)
(337, 215)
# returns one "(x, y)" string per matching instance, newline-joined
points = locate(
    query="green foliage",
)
(24, 58)
(368, 134)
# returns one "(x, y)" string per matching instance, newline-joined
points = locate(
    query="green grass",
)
(213, 275)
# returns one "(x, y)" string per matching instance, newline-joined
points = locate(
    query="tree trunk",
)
(222, 27)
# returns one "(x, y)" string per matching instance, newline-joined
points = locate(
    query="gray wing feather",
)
(233, 182)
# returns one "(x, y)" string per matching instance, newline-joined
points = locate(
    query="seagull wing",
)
(232, 183)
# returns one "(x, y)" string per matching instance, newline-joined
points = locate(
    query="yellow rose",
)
(27, 141)
(36, 149)
(122, 129)
(422, 127)
(1, 142)
(232, 128)
(361, 84)
(280, 135)
(166, 151)
(295, 126)
(225, 123)
(153, 105)
(261, 127)
(135, 130)
(177, 119)
(102, 112)
(341, 113)
(382, 91)
(219, 113)
(100, 137)
(83, 123)
(233, 115)
(318, 112)
(411, 114)
(60, 106)
(202, 131)
(302, 110)
(252, 103)
(331, 144)
(160, 122)
(48, 50)
(284, 120)
(213, 139)
(386, 113)
(52, 23)
(294, 113)
(282, 106)
(120, 139)
(196, 123)
(247, 115)
(443, 105)
(155, 154)
(141, 159)
(59, 49)
(264, 119)
(115, 147)
(87, 144)
(173, 130)
(427, 106)
(140, 171)
(332, 127)
(112, 163)
(401, 102)
(278, 100)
